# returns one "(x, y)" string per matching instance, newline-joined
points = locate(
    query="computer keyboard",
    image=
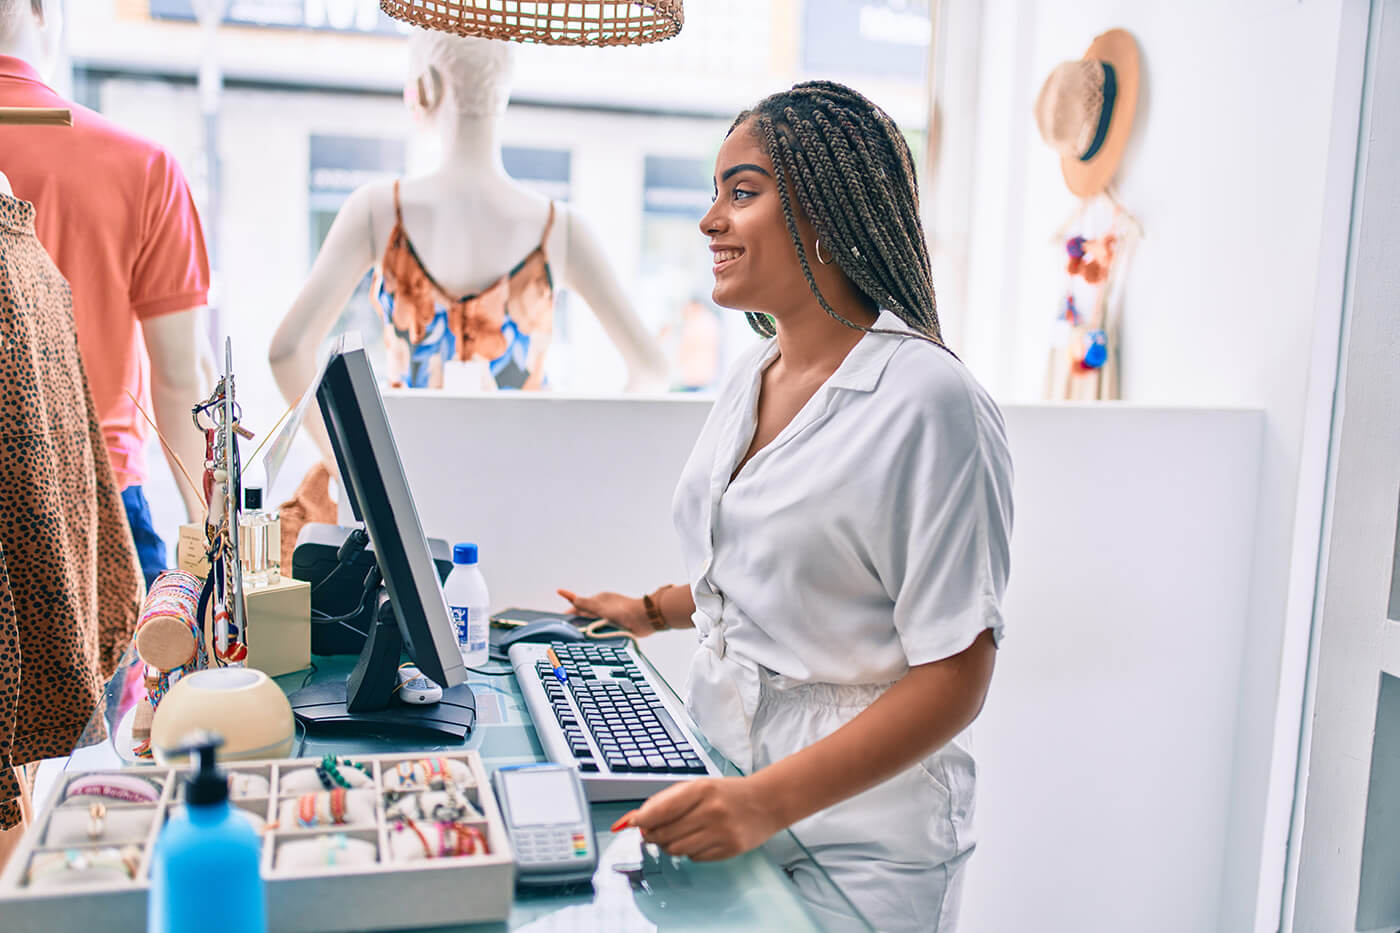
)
(608, 718)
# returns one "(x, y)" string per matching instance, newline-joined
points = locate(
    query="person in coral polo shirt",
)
(115, 213)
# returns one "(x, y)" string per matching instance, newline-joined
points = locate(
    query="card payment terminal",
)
(547, 818)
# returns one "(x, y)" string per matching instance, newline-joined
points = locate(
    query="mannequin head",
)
(467, 77)
(29, 30)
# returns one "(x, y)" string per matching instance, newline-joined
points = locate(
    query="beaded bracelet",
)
(329, 771)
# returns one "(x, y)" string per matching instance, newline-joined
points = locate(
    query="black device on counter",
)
(335, 559)
(410, 614)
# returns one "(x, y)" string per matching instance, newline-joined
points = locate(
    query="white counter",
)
(1106, 746)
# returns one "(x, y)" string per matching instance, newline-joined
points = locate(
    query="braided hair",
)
(851, 170)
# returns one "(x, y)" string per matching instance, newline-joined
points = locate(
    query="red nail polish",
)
(623, 822)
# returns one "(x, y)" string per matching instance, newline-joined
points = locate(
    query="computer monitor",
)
(413, 615)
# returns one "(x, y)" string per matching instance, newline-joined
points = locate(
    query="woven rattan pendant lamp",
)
(549, 22)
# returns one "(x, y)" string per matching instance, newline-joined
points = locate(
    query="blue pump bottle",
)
(205, 870)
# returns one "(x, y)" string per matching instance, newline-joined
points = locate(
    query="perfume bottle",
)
(259, 541)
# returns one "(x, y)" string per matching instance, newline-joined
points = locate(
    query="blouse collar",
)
(16, 216)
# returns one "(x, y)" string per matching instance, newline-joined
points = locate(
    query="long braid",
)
(851, 172)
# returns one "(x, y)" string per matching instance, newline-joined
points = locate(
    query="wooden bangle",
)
(654, 616)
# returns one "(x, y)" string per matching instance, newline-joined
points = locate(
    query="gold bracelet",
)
(654, 616)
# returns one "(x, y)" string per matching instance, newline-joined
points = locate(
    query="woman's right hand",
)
(626, 612)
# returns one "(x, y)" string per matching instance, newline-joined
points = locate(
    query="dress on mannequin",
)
(508, 325)
(468, 222)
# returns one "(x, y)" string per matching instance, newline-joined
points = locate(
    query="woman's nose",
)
(712, 222)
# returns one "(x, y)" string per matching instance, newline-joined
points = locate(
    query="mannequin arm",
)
(346, 255)
(177, 384)
(590, 274)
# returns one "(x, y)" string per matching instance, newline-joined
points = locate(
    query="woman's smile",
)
(724, 257)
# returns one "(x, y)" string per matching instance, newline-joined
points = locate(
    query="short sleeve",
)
(945, 553)
(171, 271)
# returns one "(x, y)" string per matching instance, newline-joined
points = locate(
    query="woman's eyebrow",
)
(743, 167)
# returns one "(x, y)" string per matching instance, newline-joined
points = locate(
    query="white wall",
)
(1106, 746)
(556, 491)
(1239, 154)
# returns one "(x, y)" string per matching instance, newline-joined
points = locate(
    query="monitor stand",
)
(365, 703)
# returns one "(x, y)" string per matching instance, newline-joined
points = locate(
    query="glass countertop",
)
(635, 888)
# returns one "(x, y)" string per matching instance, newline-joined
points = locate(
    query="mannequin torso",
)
(467, 231)
(470, 223)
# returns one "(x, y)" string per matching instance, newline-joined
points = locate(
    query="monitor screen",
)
(378, 490)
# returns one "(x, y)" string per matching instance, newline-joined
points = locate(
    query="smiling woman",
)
(845, 519)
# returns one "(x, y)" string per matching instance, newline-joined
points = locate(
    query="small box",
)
(390, 893)
(190, 550)
(279, 626)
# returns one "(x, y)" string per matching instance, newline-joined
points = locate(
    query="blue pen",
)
(558, 668)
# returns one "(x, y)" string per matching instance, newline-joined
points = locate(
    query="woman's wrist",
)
(782, 803)
(651, 605)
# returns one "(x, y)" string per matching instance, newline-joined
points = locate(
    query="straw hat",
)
(1085, 111)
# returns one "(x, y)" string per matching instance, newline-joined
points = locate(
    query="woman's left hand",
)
(707, 819)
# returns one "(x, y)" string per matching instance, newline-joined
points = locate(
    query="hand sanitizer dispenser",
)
(205, 870)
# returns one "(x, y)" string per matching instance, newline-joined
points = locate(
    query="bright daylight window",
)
(311, 107)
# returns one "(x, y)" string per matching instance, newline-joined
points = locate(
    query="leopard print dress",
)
(70, 588)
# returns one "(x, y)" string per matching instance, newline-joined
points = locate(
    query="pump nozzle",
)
(208, 785)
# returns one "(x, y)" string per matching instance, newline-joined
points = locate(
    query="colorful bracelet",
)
(128, 788)
(309, 808)
(434, 771)
(453, 839)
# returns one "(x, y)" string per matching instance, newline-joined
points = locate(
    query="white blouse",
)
(872, 534)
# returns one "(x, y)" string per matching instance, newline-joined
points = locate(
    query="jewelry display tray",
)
(388, 894)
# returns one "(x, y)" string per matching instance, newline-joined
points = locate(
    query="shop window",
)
(676, 278)
(547, 171)
(339, 165)
(886, 38)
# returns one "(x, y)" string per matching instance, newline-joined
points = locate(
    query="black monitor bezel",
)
(378, 492)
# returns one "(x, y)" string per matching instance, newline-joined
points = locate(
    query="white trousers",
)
(896, 850)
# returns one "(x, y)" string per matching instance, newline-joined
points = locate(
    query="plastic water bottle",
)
(470, 603)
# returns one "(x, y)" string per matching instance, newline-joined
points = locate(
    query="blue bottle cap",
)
(464, 553)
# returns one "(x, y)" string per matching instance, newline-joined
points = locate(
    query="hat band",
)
(1110, 92)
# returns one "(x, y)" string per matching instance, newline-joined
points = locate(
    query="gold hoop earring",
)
(818, 250)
